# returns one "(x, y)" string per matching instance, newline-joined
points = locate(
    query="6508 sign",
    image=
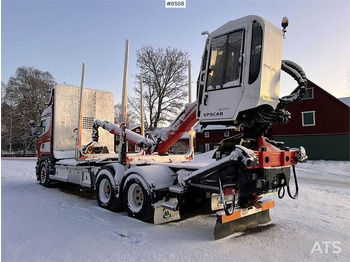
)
(175, 4)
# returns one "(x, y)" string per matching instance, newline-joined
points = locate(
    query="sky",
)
(58, 36)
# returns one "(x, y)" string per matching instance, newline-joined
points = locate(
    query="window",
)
(308, 118)
(205, 57)
(87, 122)
(309, 94)
(226, 133)
(255, 53)
(206, 134)
(225, 61)
(43, 127)
(207, 147)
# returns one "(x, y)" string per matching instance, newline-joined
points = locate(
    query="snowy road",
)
(61, 224)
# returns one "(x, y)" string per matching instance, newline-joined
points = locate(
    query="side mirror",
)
(31, 123)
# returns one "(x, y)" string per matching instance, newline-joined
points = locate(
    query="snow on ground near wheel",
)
(58, 224)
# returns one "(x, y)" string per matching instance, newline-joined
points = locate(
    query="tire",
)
(105, 191)
(136, 198)
(44, 170)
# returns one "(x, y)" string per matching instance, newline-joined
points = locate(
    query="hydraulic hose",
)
(281, 195)
(296, 67)
(295, 196)
(298, 74)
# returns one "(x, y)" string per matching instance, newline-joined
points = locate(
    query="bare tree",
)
(3, 91)
(6, 121)
(164, 79)
(131, 117)
(179, 147)
(25, 96)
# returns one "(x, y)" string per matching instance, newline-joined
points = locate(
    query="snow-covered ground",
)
(63, 224)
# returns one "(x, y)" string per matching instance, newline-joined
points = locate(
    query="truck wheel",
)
(137, 200)
(44, 173)
(105, 191)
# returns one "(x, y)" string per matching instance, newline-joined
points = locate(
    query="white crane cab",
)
(241, 68)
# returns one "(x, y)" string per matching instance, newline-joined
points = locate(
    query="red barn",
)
(206, 140)
(211, 137)
(130, 147)
(320, 123)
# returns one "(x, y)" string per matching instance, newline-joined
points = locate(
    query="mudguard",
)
(156, 176)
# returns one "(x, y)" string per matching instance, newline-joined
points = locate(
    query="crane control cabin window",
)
(225, 65)
(255, 53)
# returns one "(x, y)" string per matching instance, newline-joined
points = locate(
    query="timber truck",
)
(238, 85)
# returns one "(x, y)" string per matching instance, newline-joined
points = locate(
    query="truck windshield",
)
(225, 61)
